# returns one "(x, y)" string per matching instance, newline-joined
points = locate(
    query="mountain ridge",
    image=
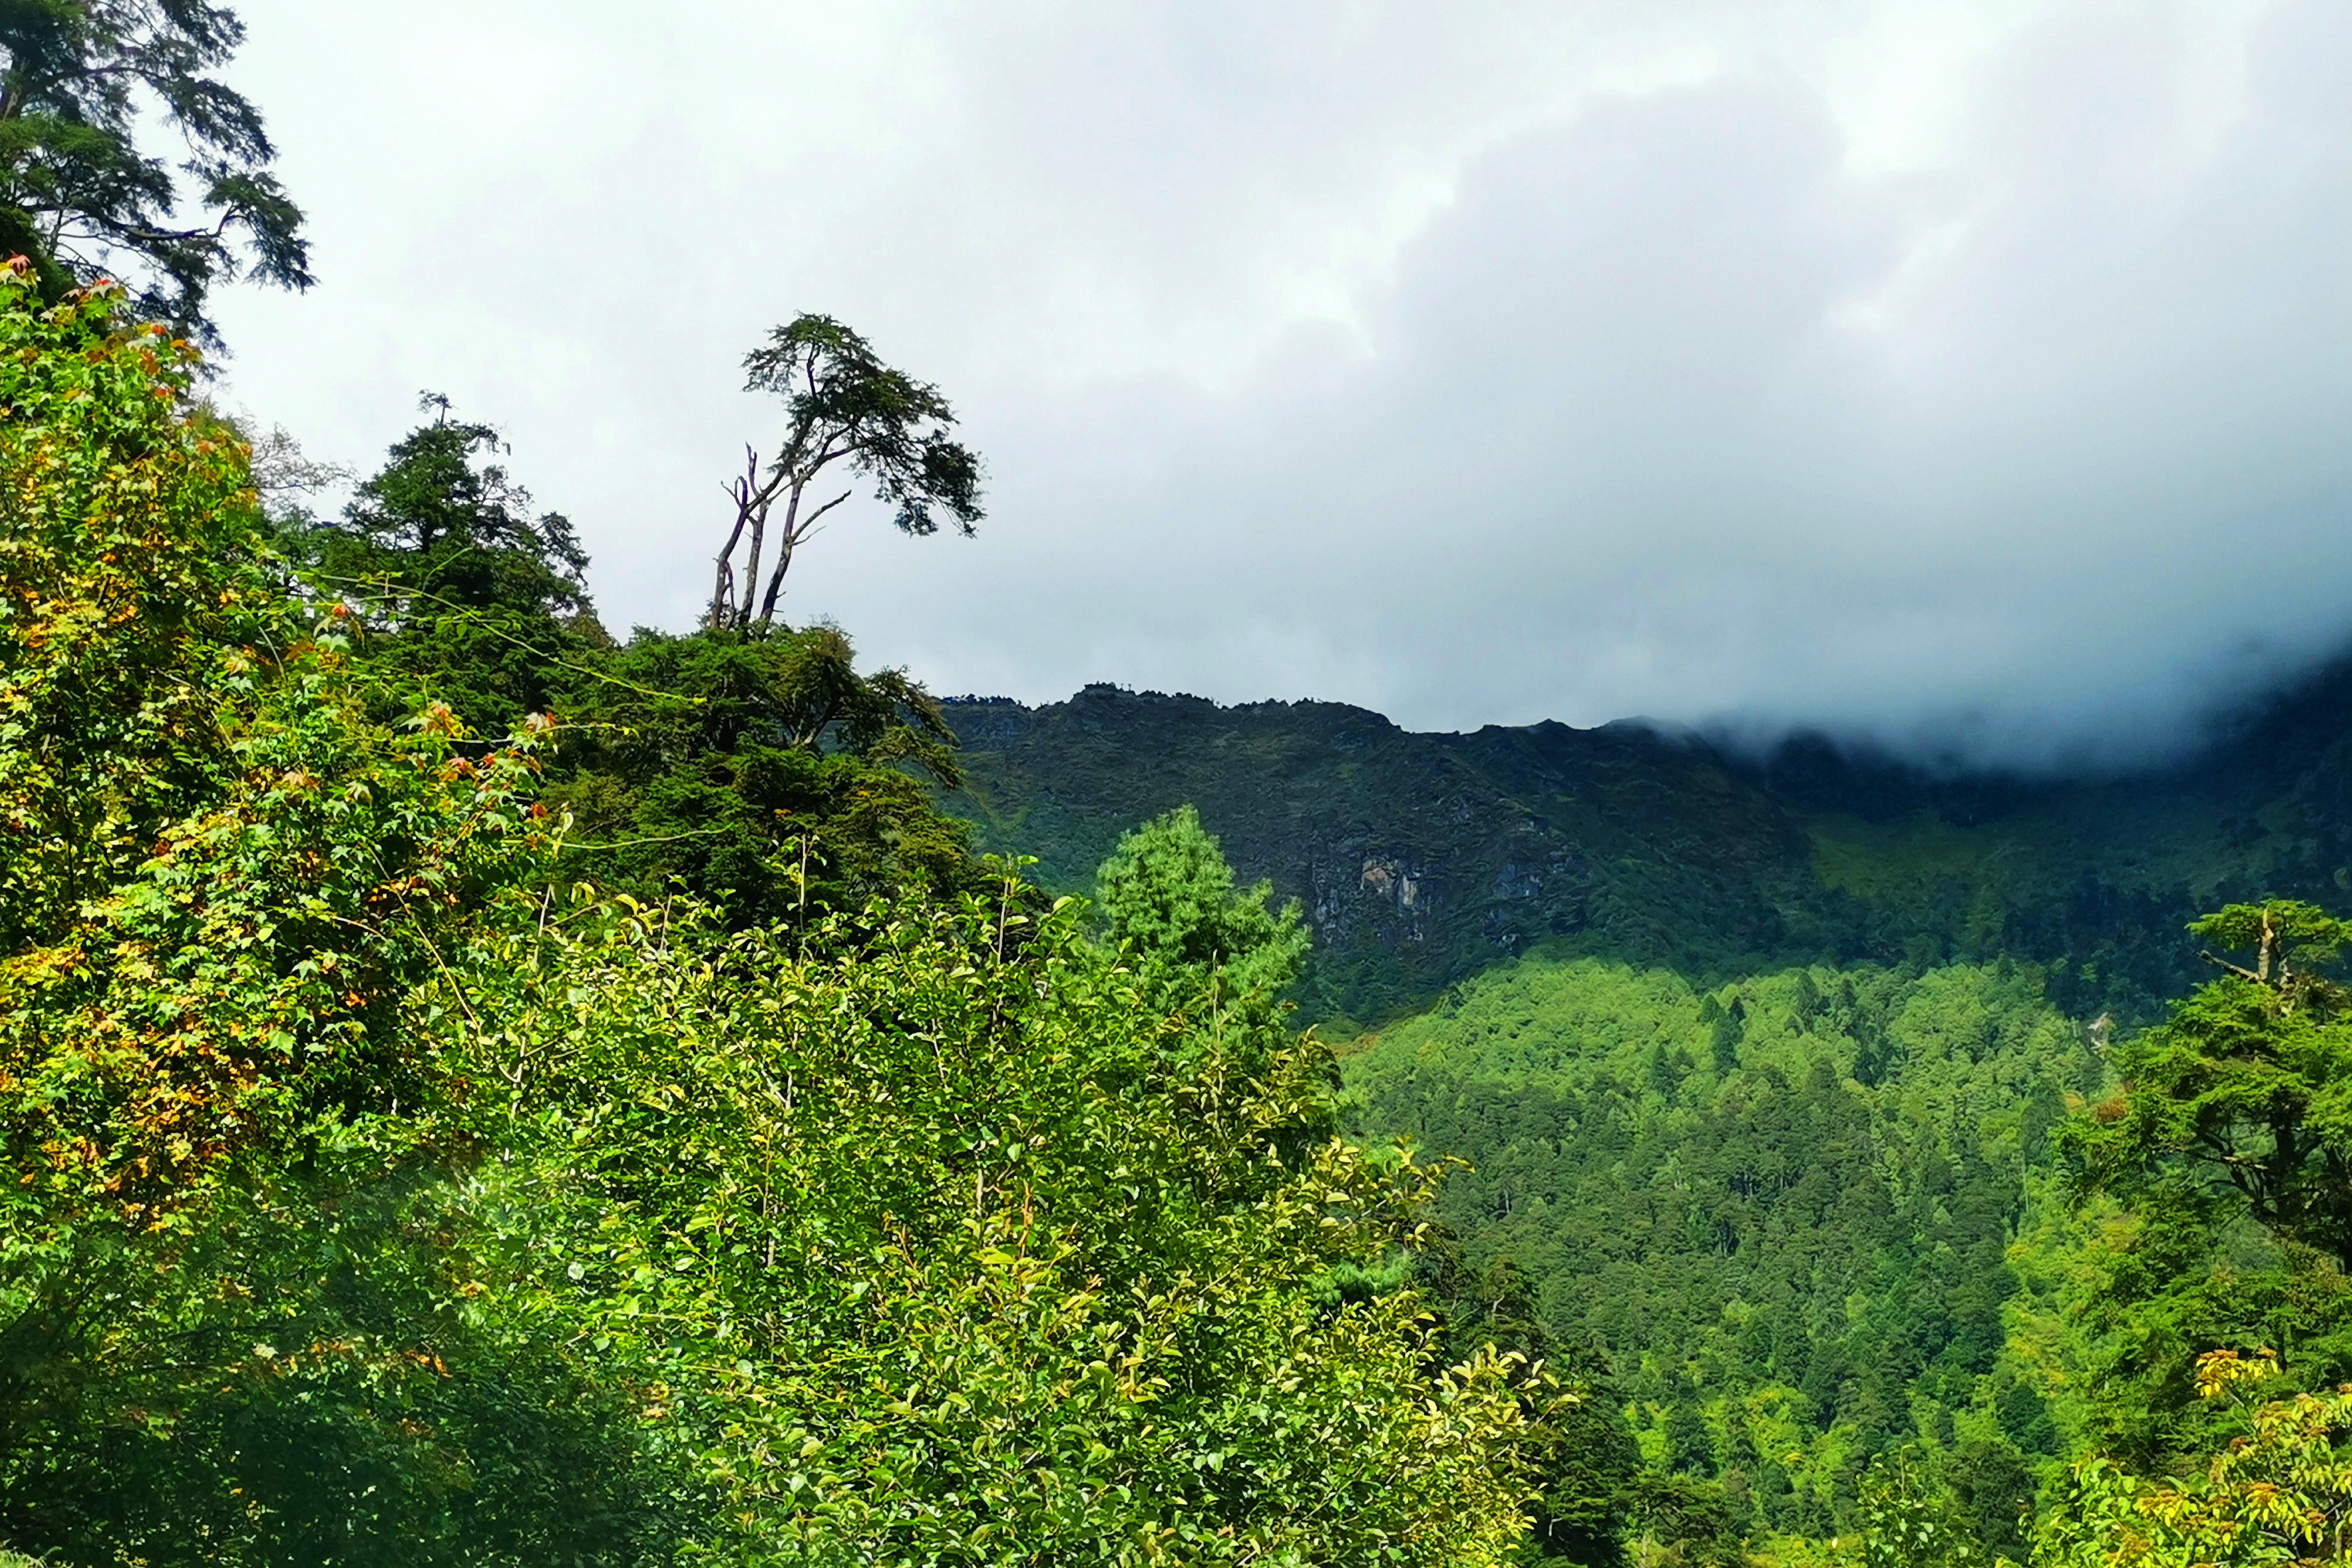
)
(1421, 858)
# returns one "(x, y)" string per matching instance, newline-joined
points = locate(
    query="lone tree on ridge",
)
(843, 406)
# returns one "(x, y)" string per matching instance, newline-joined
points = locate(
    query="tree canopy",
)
(2248, 1083)
(384, 1195)
(84, 198)
(769, 778)
(1167, 897)
(468, 595)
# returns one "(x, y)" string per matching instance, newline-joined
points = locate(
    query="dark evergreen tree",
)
(1808, 1000)
(769, 778)
(1728, 1027)
(469, 598)
(1873, 1052)
(1688, 1518)
(1666, 1070)
(1581, 1510)
(2229, 1143)
(1690, 1446)
(1995, 1492)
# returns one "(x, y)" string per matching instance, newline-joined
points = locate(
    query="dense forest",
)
(483, 1090)
(1780, 1081)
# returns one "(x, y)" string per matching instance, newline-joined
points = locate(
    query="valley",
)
(1755, 1064)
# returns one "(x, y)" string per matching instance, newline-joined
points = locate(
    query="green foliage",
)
(921, 1245)
(122, 565)
(469, 600)
(1794, 1270)
(2120, 1303)
(237, 910)
(218, 884)
(767, 776)
(1685, 1520)
(1967, 1510)
(376, 1204)
(2247, 1086)
(2209, 1236)
(1167, 896)
(1585, 1462)
(2211, 1200)
(1993, 1491)
(2280, 1492)
(651, 1137)
(83, 199)
(322, 1376)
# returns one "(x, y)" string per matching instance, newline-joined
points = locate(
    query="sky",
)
(1973, 376)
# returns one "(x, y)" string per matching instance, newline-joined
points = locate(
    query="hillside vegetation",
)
(1782, 1208)
(480, 1092)
(1422, 860)
(1773, 1078)
(440, 1137)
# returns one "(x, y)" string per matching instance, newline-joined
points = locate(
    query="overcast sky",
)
(1971, 369)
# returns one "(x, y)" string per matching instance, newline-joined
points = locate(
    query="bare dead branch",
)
(2238, 969)
(808, 525)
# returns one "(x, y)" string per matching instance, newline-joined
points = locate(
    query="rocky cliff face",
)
(1420, 859)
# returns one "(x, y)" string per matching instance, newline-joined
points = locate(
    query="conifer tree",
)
(83, 197)
(472, 596)
(1169, 896)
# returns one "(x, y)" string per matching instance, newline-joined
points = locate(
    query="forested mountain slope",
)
(1423, 859)
(1779, 1208)
(1756, 1061)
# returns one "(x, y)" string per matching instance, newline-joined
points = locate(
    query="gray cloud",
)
(1912, 368)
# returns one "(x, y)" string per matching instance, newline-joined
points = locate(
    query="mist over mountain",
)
(1421, 858)
(1968, 377)
(2162, 719)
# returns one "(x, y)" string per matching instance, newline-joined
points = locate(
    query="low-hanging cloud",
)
(1960, 384)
